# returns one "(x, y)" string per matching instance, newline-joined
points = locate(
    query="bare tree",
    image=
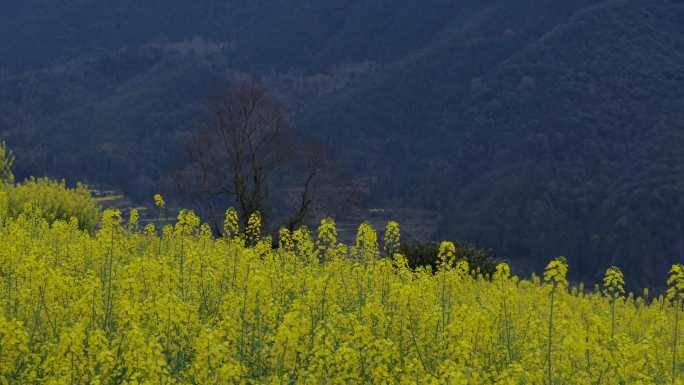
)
(313, 160)
(249, 137)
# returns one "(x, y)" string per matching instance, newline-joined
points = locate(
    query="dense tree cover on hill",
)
(541, 127)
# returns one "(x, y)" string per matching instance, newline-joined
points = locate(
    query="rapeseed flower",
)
(179, 306)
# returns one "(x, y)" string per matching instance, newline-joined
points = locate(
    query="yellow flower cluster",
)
(392, 238)
(556, 272)
(327, 238)
(52, 198)
(614, 282)
(231, 225)
(446, 255)
(177, 305)
(134, 218)
(253, 230)
(675, 282)
(366, 243)
(159, 201)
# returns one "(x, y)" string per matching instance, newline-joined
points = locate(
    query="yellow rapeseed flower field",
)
(177, 305)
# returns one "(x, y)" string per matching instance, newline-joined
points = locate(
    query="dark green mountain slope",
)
(554, 138)
(537, 127)
(581, 139)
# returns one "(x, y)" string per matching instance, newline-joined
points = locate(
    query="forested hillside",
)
(536, 127)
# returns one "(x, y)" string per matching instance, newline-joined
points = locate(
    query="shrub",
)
(426, 254)
(54, 200)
